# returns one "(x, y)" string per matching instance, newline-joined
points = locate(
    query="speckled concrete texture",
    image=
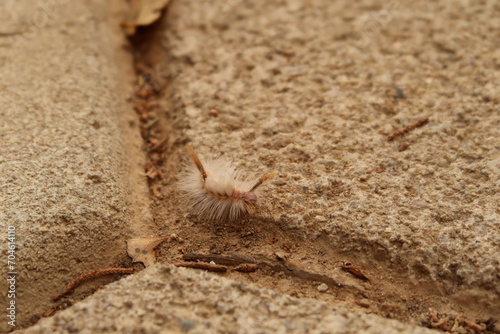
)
(69, 166)
(312, 89)
(165, 299)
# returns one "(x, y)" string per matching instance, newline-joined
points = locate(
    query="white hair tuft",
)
(217, 191)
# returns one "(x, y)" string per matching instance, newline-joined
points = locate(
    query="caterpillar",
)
(217, 191)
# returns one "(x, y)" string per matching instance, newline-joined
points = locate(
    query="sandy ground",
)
(309, 90)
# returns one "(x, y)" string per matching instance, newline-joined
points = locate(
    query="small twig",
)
(155, 190)
(456, 323)
(433, 317)
(202, 265)
(159, 144)
(152, 173)
(403, 147)
(151, 123)
(241, 263)
(355, 271)
(410, 127)
(219, 259)
(474, 326)
(440, 324)
(246, 267)
(92, 274)
(243, 258)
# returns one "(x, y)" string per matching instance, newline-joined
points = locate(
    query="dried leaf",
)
(141, 249)
(143, 13)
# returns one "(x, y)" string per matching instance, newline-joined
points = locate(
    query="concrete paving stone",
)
(167, 299)
(70, 164)
(312, 89)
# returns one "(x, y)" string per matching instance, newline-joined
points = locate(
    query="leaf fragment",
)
(142, 249)
(143, 13)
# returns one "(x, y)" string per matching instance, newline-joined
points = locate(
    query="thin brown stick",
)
(92, 274)
(218, 259)
(159, 145)
(355, 271)
(241, 263)
(410, 127)
(246, 267)
(474, 326)
(440, 324)
(202, 265)
(243, 258)
(456, 322)
(433, 317)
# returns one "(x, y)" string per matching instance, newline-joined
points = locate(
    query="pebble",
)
(186, 325)
(419, 204)
(320, 219)
(281, 255)
(363, 302)
(322, 287)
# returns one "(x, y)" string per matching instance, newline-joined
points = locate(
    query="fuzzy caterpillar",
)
(217, 191)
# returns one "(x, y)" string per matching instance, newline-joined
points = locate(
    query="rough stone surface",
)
(165, 299)
(68, 162)
(312, 89)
